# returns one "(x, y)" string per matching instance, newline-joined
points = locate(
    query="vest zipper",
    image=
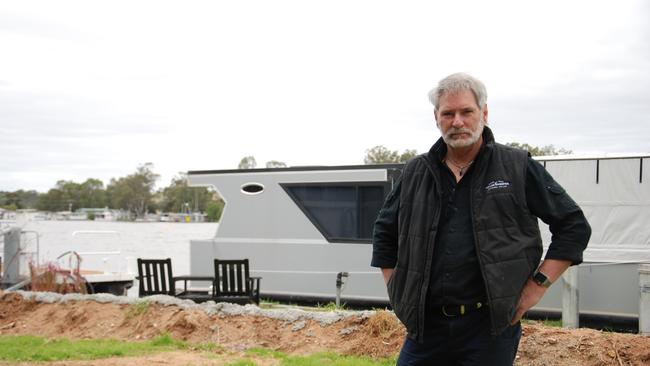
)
(478, 253)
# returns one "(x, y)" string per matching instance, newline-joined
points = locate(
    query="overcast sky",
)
(90, 89)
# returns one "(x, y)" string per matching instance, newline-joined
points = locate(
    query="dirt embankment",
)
(378, 335)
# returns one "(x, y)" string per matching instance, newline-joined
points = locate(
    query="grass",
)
(546, 322)
(317, 359)
(241, 363)
(29, 348)
(330, 306)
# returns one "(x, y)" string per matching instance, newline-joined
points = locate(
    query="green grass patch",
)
(241, 363)
(265, 352)
(330, 306)
(319, 359)
(29, 348)
(553, 323)
(332, 359)
(545, 322)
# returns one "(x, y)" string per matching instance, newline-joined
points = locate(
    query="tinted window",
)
(340, 212)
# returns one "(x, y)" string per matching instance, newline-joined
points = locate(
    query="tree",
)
(275, 164)
(178, 196)
(92, 194)
(247, 162)
(214, 210)
(19, 199)
(134, 192)
(54, 200)
(381, 155)
(68, 195)
(63, 197)
(539, 151)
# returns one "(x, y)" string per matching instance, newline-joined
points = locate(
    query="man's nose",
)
(458, 120)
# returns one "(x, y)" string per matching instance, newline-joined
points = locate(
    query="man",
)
(458, 240)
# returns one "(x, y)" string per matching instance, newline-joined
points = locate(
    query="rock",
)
(298, 326)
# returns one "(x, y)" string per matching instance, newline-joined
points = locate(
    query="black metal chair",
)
(233, 282)
(156, 278)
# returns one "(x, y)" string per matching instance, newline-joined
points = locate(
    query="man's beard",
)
(474, 136)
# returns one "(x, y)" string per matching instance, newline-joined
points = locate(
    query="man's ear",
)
(435, 116)
(485, 114)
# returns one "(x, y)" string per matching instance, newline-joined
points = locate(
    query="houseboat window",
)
(252, 188)
(340, 212)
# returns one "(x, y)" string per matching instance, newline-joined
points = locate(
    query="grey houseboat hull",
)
(300, 227)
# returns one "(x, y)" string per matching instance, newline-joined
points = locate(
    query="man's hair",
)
(458, 82)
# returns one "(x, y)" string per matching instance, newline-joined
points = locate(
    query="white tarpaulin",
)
(614, 194)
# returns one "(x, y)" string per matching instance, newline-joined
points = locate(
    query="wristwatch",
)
(541, 279)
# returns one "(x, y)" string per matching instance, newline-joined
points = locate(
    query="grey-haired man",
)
(458, 240)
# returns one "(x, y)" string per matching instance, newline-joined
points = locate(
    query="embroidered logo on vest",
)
(497, 184)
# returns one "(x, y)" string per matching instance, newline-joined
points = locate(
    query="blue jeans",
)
(461, 340)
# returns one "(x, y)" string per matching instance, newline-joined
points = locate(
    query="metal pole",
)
(11, 274)
(644, 299)
(339, 286)
(570, 312)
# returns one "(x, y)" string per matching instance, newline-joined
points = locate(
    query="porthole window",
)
(252, 188)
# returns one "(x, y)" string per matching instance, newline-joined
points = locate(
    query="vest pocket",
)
(403, 286)
(399, 291)
(507, 278)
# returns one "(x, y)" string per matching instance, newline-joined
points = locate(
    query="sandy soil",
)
(377, 336)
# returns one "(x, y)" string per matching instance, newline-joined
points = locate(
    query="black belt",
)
(458, 310)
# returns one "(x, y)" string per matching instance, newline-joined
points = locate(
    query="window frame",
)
(386, 186)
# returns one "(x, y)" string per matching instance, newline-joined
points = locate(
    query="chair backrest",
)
(155, 277)
(231, 277)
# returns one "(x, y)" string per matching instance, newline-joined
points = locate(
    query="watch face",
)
(541, 279)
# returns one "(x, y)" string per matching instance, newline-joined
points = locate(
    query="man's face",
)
(460, 119)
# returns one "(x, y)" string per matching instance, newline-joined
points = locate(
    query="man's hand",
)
(532, 292)
(387, 272)
(530, 296)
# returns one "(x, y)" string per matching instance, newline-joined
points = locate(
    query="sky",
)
(94, 89)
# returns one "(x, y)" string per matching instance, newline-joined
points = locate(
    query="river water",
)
(113, 246)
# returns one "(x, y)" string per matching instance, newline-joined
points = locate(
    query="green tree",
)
(214, 210)
(178, 196)
(23, 199)
(68, 195)
(546, 150)
(247, 162)
(381, 155)
(54, 200)
(64, 196)
(134, 192)
(92, 194)
(275, 164)
(10, 207)
(19, 199)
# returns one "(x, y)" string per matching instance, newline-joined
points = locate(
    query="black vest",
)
(508, 242)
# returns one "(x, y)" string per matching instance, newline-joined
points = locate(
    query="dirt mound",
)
(379, 335)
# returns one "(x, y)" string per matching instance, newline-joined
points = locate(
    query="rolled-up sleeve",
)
(546, 199)
(384, 235)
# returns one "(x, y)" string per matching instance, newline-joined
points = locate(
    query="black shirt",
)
(455, 273)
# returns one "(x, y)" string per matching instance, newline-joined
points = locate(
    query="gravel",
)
(289, 315)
